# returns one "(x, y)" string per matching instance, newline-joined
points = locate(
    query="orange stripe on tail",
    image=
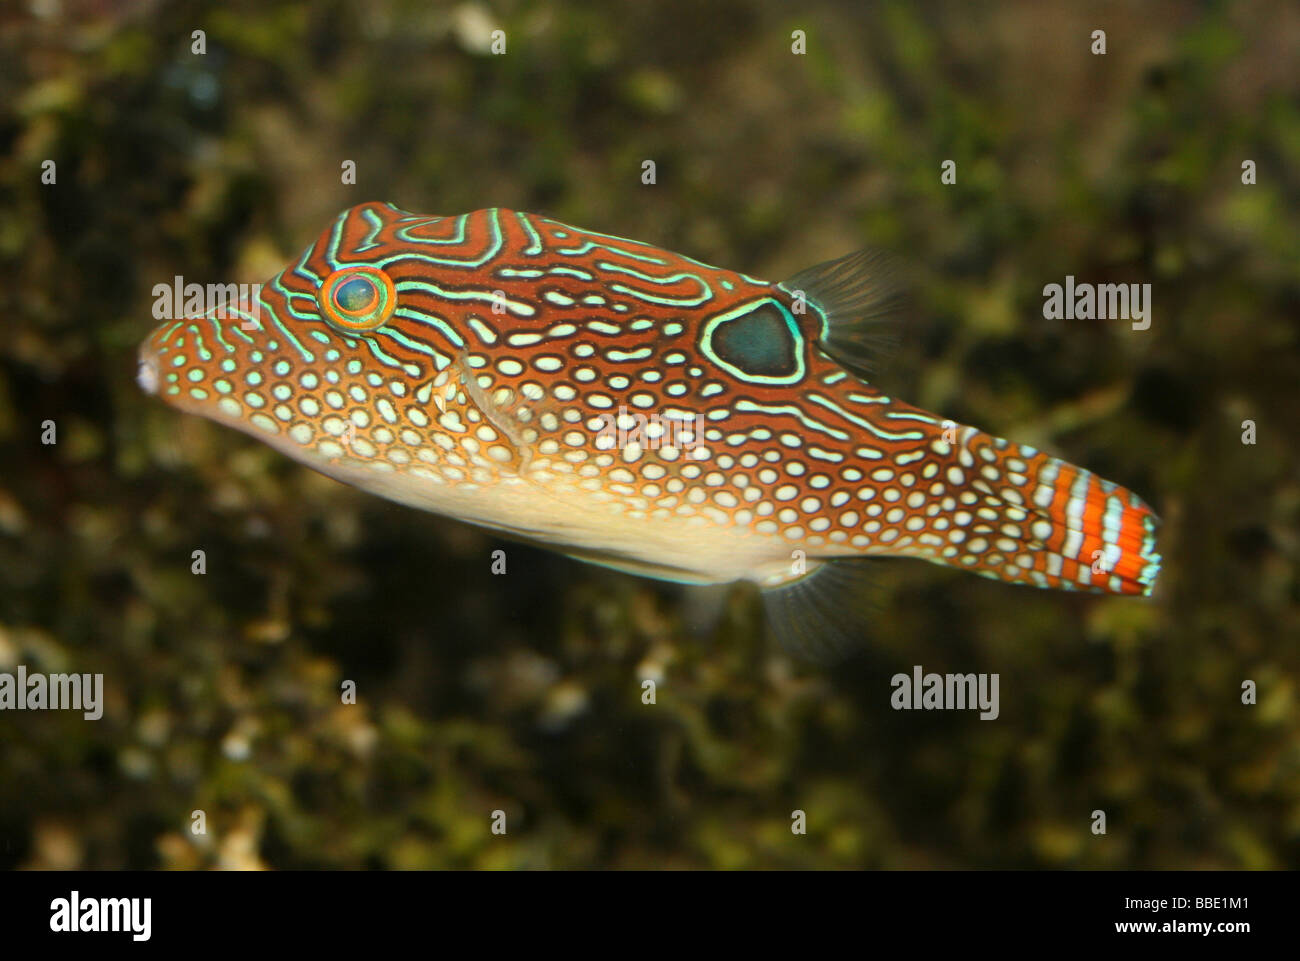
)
(1079, 532)
(1012, 513)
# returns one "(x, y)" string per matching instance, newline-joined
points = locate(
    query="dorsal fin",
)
(864, 297)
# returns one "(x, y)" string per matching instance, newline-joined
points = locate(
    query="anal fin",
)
(825, 615)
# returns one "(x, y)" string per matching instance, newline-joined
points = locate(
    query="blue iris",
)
(355, 295)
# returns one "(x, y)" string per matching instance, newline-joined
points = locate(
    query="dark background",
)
(522, 692)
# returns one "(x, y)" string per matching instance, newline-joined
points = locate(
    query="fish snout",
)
(146, 374)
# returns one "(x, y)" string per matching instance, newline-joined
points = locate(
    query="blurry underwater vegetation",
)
(522, 692)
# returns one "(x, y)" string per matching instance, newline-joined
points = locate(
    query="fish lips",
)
(146, 373)
(155, 352)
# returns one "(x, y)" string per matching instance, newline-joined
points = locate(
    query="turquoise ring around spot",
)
(758, 342)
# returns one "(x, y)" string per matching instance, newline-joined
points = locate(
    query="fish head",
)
(335, 356)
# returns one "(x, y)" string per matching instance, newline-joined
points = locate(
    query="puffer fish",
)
(630, 406)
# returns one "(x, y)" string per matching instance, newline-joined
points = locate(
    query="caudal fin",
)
(1025, 517)
(978, 503)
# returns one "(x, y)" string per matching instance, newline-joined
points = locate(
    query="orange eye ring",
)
(357, 299)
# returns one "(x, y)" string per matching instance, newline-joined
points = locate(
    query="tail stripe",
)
(1070, 530)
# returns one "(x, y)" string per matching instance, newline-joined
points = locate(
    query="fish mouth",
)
(146, 374)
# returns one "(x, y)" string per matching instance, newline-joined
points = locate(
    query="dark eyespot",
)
(758, 342)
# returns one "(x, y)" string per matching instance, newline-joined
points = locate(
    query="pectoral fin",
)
(464, 406)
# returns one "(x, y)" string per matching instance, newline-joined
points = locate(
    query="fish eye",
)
(357, 298)
(356, 295)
